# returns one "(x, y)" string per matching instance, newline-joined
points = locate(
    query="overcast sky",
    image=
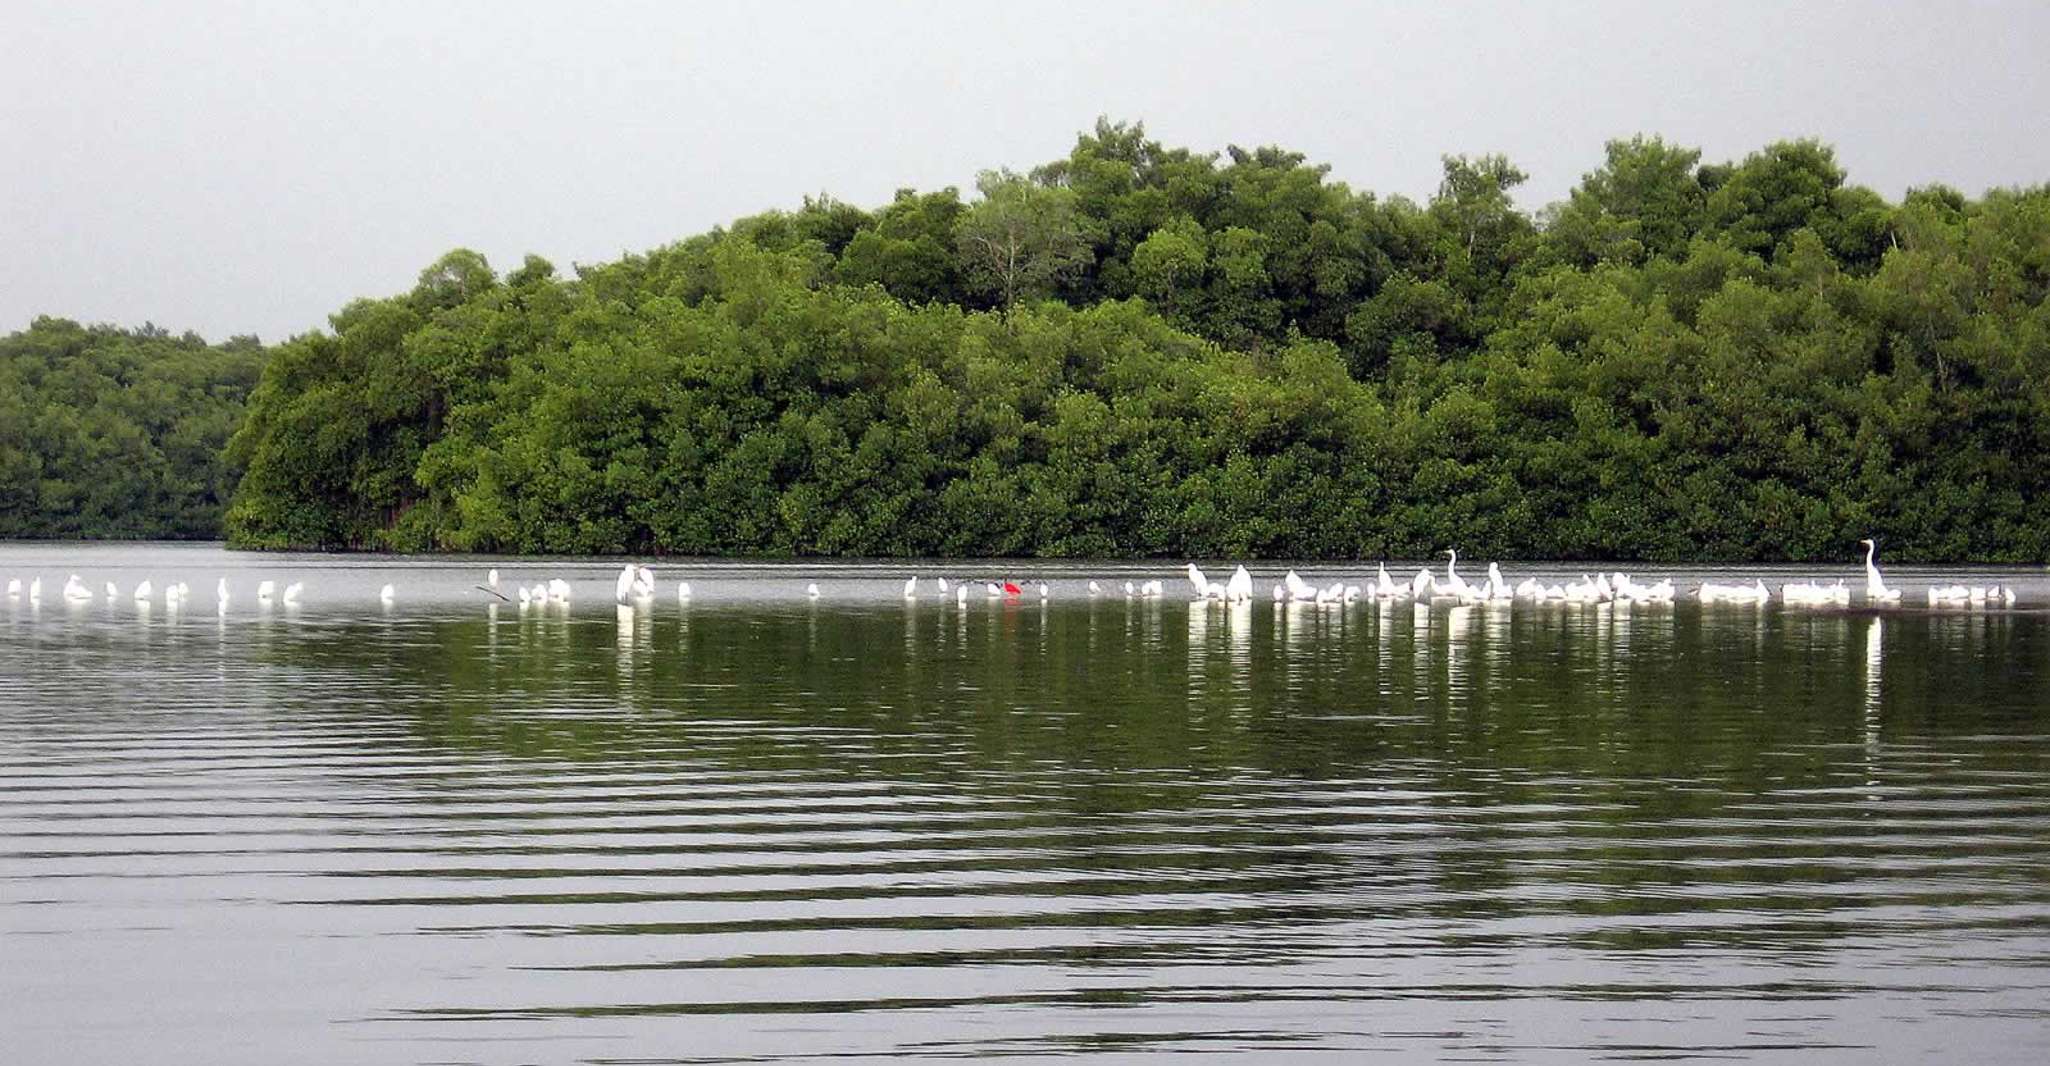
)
(249, 167)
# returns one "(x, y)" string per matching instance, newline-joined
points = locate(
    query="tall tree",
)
(1020, 238)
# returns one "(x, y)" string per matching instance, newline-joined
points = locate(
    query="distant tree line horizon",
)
(1132, 351)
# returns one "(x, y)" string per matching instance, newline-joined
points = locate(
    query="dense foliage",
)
(118, 433)
(1142, 350)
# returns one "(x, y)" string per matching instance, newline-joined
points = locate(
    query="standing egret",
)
(113, 593)
(221, 590)
(1240, 588)
(1094, 589)
(1044, 592)
(13, 587)
(558, 590)
(264, 590)
(960, 595)
(1875, 587)
(811, 591)
(144, 591)
(75, 590)
(386, 595)
(1453, 583)
(491, 578)
(622, 589)
(911, 587)
(292, 591)
(35, 590)
(943, 586)
(683, 592)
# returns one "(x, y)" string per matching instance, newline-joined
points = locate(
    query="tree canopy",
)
(117, 433)
(1143, 350)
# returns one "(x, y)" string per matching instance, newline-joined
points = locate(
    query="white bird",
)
(386, 595)
(943, 586)
(683, 592)
(75, 589)
(558, 590)
(1197, 579)
(13, 587)
(221, 590)
(1423, 585)
(623, 586)
(1875, 587)
(264, 590)
(1128, 590)
(1280, 592)
(526, 595)
(644, 582)
(1298, 589)
(145, 590)
(1153, 589)
(174, 594)
(1093, 588)
(911, 587)
(113, 593)
(1240, 588)
(292, 591)
(961, 595)
(1044, 592)
(491, 579)
(812, 590)
(1453, 583)
(35, 590)
(1384, 586)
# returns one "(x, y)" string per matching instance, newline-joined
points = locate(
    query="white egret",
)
(961, 595)
(1423, 585)
(911, 587)
(221, 590)
(683, 592)
(491, 578)
(35, 590)
(264, 590)
(1094, 589)
(623, 587)
(1129, 590)
(386, 595)
(1453, 583)
(1044, 592)
(812, 590)
(1240, 588)
(1384, 586)
(75, 590)
(13, 587)
(144, 590)
(292, 591)
(943, 586)
(113, 592)
(558, 590)
(1875, 586)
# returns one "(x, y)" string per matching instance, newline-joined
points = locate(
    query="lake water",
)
(763, 828)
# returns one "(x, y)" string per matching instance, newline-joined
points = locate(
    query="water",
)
(767, 829)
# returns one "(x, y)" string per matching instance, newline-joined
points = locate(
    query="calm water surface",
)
(761, 828)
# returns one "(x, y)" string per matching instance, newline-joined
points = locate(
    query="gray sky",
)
(249, 167)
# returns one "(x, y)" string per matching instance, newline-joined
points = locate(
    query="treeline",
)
(1138, 350)
(113, 433)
